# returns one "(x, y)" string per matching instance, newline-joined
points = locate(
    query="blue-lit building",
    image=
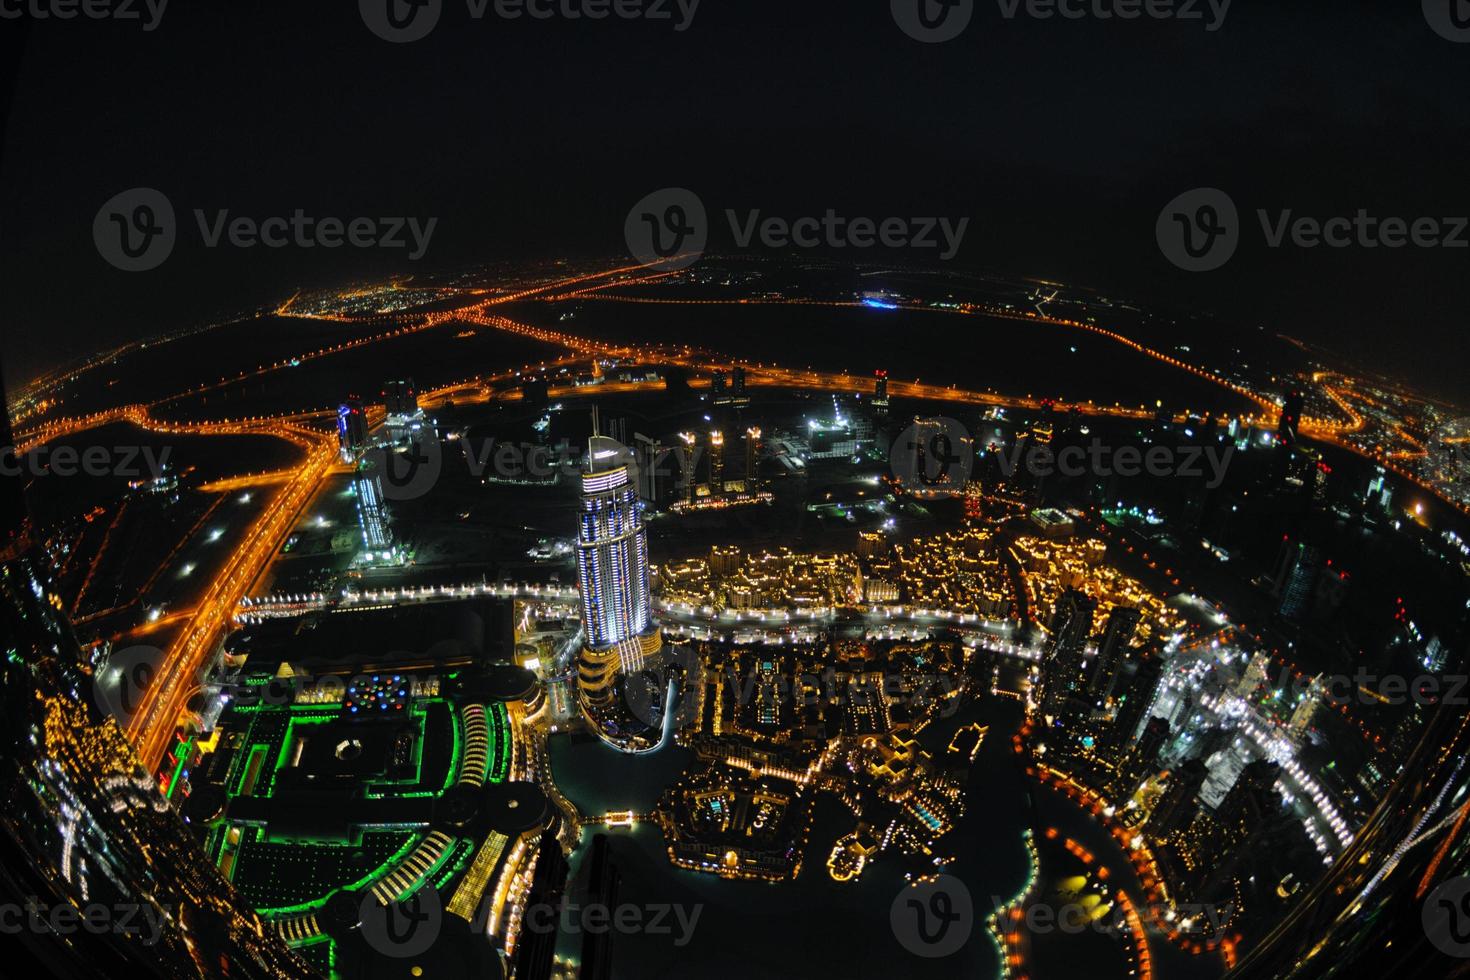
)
(612, 571)
(352, 430)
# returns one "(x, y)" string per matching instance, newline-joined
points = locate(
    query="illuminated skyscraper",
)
(752, 459)
(401, 398)
(401, 403)
(1111, 651)
(612, 570)
(716, 462)
(1071, 625)
(352, 431)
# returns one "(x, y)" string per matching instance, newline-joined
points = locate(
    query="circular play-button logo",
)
(668, 229)
(1199, 230)
(405, 928)
(933, 21)
(933, 918)
(401, 21)
(135, 231)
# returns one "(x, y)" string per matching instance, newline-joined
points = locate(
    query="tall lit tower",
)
(1112, 650)
(716, 463)
(352, 430)
(612, 570)
(1071, 626)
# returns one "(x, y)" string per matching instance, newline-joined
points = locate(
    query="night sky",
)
(1061, 140)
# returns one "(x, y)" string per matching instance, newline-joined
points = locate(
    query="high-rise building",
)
(401, 404)
(716, 462)
(1140, 691)
(1179, 802)
(372, 512)
(1145, 752)
(1103, 675)
(536, 947)
(728, 388)
(660, 471)
(401, 398)
(1071, 625)
(752, 459)
(1288, 432)
(880, 392)
(738, 396)
(1296, 578)
(1249, 803)
(1306, 709)
(352, 430)
(603, 880)
(612, 570)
